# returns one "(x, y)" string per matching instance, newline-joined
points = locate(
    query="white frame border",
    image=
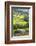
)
(30, 25)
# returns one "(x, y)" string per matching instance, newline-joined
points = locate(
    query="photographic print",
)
(19, 22)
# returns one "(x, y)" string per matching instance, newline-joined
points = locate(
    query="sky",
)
(21, 9)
